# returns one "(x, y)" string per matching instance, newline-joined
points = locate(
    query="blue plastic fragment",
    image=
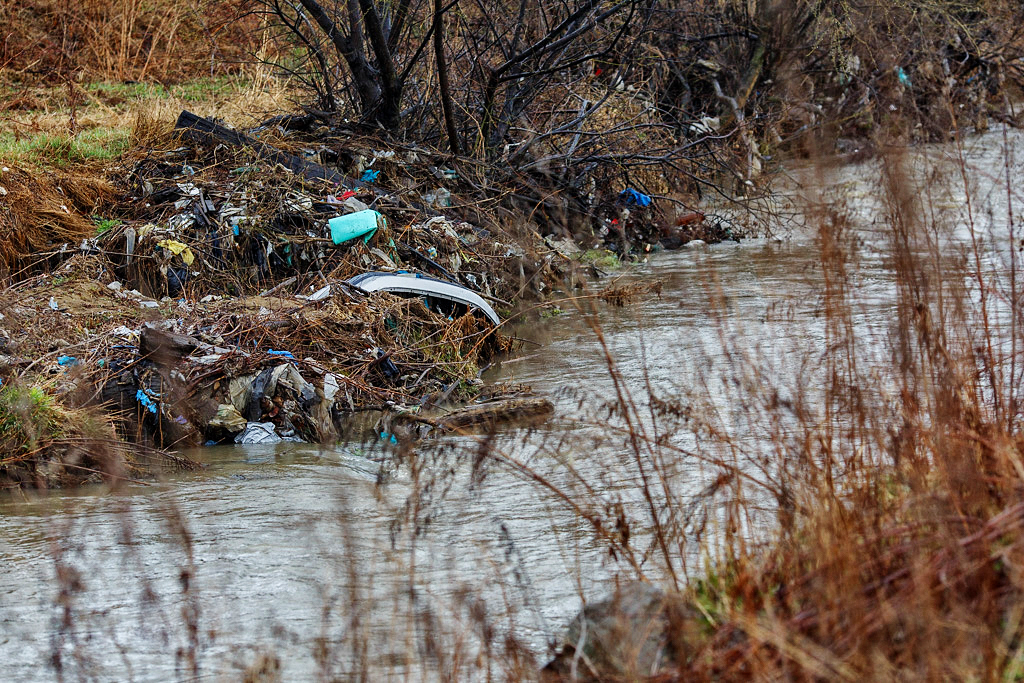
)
(286, 354)
(902, 76)
(211, 442)
(181, 420)
(359, 224)
(389, 437)
(370, 176)
(633, 197)
(67, 360)
(143, 398)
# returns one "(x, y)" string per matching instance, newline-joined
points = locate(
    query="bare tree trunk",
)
(362, 74)
(442, 78)
(397, 24)
(389, 112)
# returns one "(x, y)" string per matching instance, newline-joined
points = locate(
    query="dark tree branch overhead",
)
(363, 76)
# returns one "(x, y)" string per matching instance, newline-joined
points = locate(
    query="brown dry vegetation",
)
(41, 212)
(869, 532)
(121, 40)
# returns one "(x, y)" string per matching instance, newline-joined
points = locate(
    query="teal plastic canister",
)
(352, 225)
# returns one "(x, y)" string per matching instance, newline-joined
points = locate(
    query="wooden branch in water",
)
(485, 414)
(497, 411)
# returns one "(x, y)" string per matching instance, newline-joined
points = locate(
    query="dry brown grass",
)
(122, 39)
(40, 212)
(863, 519)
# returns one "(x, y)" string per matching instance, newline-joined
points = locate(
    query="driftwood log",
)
(483, 415)
(496, 411)
(205, 131)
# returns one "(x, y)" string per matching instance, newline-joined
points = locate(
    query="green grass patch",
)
(191, 91)
(601, 258)
(48, 149)
(27, 416)
(104, 224)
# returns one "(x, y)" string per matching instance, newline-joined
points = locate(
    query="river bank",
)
(215, 238)
(190, 289)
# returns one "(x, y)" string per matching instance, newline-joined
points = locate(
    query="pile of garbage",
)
(263, 369)
(218, 300)
(214, 219)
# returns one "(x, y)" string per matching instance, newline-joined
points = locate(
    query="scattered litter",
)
(354, 205)
(258, 433)
(420, 285)
(228, 418)
(246, 239)
(178, 249)
(331, 386)
(439, 198)
(145, 401)
(318, 295)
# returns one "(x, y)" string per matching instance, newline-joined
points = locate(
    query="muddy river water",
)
(295, 550)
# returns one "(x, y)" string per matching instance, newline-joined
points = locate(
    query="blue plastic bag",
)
(633, 197)
(145, 401)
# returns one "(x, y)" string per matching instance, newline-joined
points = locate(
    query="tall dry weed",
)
(123, 39)
(862, 519)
